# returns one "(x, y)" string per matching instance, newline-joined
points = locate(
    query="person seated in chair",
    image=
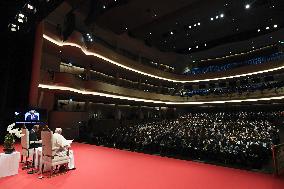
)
(34, 142)
(60, 143)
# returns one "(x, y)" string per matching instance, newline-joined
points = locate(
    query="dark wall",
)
(15, 71)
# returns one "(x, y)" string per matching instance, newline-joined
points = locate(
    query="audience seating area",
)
(235, 139)
(228, 66)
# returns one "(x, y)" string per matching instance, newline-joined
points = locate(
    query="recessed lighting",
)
(126, 28)
(197, 46)
(275, 26)
(217, 17)
(104, 6)
(194, 25)
(172, 33)
(253, 47)
(189, 48)
(150, 33)
(205, 44)
(198, 23)
(211, 18)
(247, 6)
(258, 30)
(222, 15)
(267, 28)
(189, 26)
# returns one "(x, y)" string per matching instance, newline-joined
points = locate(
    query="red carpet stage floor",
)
(106, 168)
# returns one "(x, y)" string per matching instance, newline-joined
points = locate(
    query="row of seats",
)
(219, 68)
(236, 138)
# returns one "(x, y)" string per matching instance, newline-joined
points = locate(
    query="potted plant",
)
(9, 140)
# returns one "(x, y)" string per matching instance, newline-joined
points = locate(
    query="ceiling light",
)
(222, 15)
(21, 15)
(198, 23)
(247, 6)
(211, 18)
(126, 28)
(253, 47)
(104, 6)
(30, 7)
(189, 48)
(258, 30)
(189, 26)
(267, 28)
(194, 24)
(172, 33)
(197, 46)
(217, 17)
(275, 26)
(150, 33)
(20, 20)
(205, 44)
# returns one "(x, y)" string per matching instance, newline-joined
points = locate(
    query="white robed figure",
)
(60, 143)
(63, 146)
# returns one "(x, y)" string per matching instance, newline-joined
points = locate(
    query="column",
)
(35, 74)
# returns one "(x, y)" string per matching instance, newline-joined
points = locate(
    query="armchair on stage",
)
(26, 150)
(49, 156)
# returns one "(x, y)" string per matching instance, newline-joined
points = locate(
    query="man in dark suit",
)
(32, 116)
(34, 142)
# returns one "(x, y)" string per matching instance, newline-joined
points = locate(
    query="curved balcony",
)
(99, 53)
(65, 82)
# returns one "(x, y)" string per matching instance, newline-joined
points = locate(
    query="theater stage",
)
(106, 168)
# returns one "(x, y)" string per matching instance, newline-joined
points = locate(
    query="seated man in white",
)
(62, 146)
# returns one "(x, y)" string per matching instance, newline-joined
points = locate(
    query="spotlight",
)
(21, 17)
(247, 6)
(20, 20)
(13, 27)
(30, 7)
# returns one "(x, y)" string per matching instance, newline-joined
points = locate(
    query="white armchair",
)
(25, 143)
(49, 156)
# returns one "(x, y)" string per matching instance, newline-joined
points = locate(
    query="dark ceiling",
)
(166, 24)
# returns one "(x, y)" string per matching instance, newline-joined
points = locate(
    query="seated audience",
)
(237, 138)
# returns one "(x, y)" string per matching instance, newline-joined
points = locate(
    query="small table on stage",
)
(9, 164)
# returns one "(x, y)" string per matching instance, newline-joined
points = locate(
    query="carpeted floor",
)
(105, 168)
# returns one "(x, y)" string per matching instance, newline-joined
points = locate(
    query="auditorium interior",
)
(153, 94)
